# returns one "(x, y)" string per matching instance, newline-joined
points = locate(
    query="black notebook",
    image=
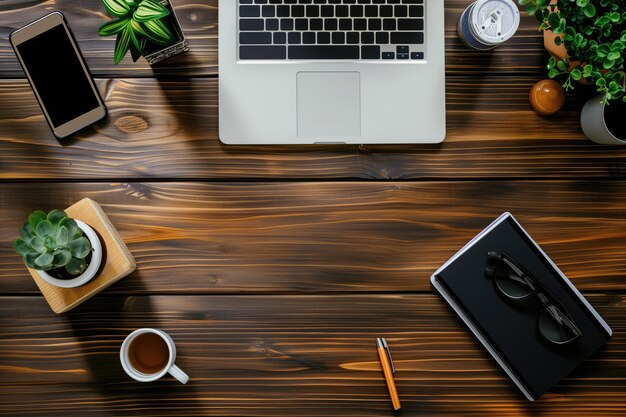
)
(509, 329)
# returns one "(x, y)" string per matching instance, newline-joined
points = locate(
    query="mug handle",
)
(177, 373)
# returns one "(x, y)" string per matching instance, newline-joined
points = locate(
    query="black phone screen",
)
(58, 76)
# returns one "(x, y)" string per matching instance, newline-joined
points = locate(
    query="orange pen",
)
(388, 369)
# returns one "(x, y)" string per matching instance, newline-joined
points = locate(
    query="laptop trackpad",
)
(329, 104)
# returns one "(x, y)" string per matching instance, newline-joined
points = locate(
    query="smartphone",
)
(58, 75)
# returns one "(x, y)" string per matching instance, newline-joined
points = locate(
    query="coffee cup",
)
(149, 354)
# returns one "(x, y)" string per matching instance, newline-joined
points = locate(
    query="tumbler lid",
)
(494, 21)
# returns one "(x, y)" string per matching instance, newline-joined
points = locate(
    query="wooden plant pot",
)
(117, 261)
(157, 53)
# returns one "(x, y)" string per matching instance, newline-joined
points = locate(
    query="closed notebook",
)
(509, 329)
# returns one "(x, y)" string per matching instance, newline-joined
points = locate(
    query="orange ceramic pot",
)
(547, 97)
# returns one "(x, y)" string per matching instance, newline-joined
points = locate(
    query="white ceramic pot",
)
(92, 269)
(594, 125)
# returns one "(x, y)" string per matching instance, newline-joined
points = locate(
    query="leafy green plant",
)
(594, 34)
(52, 241)
(138, 22)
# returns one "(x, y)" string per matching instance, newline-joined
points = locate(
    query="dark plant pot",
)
(604, 124)
(155, 53)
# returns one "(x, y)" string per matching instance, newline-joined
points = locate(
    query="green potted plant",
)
(587, 41)
(147, 28)
(65, 252)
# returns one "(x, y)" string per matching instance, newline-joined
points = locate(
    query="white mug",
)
(170, 368)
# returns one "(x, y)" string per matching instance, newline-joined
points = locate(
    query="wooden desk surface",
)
(274, 268)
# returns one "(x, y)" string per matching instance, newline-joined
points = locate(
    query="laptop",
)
(331, 71)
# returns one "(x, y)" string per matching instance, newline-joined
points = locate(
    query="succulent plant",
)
(138, 22)
(52, 241)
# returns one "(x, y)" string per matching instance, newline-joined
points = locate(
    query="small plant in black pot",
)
(147, 28)
(65, 252)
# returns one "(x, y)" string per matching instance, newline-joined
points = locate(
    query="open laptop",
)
(331, 71)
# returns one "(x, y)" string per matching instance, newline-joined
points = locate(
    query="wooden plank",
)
(282, 356)
(168, 129)
(326, 237)
(524, 54)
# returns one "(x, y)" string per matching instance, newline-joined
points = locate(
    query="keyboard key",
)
(323, 37)
(316, 24)
(371, 11)
(352, 37)
(370, 52)
(400, 11)
(360, 24)
(255, 38)
(249, 11)
(389, 24)
(262, 52)
(312, 11)
(283, 11)
(402, 56)
(410, 24)
(268, 11)
(345, 24)
(342, 11)
(293, 38)
(338, 38)
(417, 55)
(416, 11)
(356, 11)
(374, 24)
(280, 38)
(382, 38)
(330, 24)
(286, 24)
(367, 37)
(297, 11)
(251, 24)
(328, 11)
(271, 24)
(409, 38)
(308, 37)
(388, 55)
(324, 52)
(386, 11)
(402, 49)
(302, 24)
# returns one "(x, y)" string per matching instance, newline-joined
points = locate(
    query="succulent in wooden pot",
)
(66, 252)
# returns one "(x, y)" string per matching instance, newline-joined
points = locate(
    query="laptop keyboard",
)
(331, 29)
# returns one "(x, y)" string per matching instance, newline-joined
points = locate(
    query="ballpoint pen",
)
(388, 369)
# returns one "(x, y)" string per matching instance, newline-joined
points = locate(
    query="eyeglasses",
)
(518, 285)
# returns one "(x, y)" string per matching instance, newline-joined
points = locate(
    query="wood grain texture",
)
(523, 54)
(168, 129)
(117, 260)
(282, 356)
(327, 237)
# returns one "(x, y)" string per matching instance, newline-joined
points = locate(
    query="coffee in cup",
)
(148, 354)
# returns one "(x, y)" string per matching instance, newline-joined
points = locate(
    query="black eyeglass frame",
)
(549, 302)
